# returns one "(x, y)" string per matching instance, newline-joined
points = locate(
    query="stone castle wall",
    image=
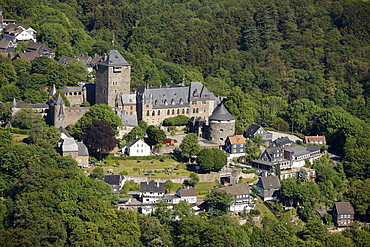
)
(220, 130)
(73, 114)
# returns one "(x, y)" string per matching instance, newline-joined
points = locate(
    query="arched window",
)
(159, 112)
(197, 110)
(153, 113)
(193, 110)
(168, 112)
(147, 113)
(178, 111)
(173, 102)
(173, 111)
(187, 111)
(183, 111)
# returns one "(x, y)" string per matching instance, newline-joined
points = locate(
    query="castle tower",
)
(112, 77)
(221, 125)
(59, 112)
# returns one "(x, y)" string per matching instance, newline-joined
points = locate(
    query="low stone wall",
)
(138, 179)
(209, 177)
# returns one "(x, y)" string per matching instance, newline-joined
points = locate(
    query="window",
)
(147, 113)
(159, 112)
(178, 111)
(173, 111)
(168, 112)
(153, 113)
(117, 69)
(131, 107)
(183, 111)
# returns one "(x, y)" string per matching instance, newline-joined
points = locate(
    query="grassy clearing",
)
(19, 137)
(157, 168)
(203, 189)
(265, 212)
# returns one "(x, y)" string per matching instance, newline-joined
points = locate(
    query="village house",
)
(282, 142)
(243, 201)
(255, 130)
(68, 146)
(235, 146)
(315, 139)
(343, 214)
(286, 159)
(136, 147)
(116, 182)
(268, 188)
(15, 33)
(152, 192)
(40, 48)
(186, 193)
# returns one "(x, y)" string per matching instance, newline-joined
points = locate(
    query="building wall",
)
(76, 98)
(220, 130)
(110, 81)
(73, 114)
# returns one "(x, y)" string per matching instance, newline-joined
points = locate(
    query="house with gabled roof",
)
(235, 146)
(268, 188)
(116, 182)
(243, 201)
(186, 193)
(6, 46)
(28, 56)
(152, 192)
(256, 130)
(315, 140)
(282, 142)
(136, 147)
(343, 214)
(41, 48)
(15, 33)
(68, 146)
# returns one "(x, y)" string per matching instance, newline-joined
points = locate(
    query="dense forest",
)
(297, 66)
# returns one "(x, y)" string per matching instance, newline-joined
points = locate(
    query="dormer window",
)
(173, 102)
(165, 102)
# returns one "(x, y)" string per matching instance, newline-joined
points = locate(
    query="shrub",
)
(176, 121)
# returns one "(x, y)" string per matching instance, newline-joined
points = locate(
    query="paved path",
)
(276, 135)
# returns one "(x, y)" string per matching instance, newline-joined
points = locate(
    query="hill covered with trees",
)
(300, 66)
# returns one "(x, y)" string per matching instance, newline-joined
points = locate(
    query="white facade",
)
(136, 147)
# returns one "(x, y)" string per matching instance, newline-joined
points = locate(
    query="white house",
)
(152, 192)
(243, 201)
(15, 33)
(136, 147)
(186, 193)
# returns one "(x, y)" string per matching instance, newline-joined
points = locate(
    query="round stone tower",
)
(221, 125)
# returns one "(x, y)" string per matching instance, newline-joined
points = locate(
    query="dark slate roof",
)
(152, 187)
(4, 43)
(197, 91)
(65, 59)
(132, 142)
(236, 189)
(129, 120)
(29, 56)
(64, 131)
(113, 179)
(344, 208)
(186, 191)
(82, 149)
(283, 141)
(113, 58)
(312, 148)
(270, 182)
(252, 129)
(220, 113)
(72, 89)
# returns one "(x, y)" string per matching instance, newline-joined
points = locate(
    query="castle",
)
(151, 104)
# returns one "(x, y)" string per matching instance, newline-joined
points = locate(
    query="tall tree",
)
(190, 146)
(99, 137)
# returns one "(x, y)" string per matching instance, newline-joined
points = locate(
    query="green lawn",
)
(265, 212)
(157, 168)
